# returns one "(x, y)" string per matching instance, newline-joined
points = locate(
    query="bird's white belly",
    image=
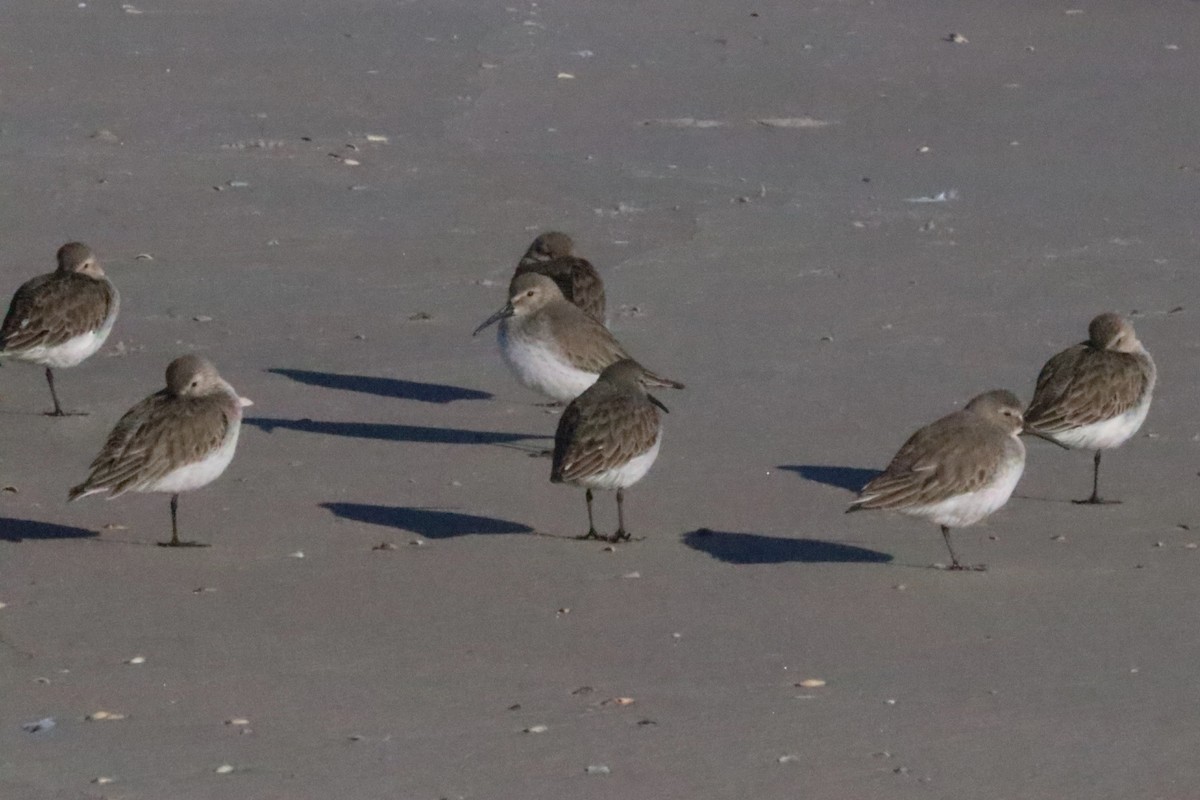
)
(71, 352)
(198, 473)
(542, 368)
(1107, 434)
(967, 509)
(627, 474)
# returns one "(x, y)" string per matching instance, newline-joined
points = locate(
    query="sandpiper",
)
(61, 318)
(1096, 394)
(177, 439)
(608, 437)
(552, 346)
(957, 470)
(551, 254)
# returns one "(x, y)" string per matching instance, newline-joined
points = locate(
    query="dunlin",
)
(957, 470)
(552, 346)
(61, 318)
(1096, 394)
(177, 439)
(551, 254)
(608, 437)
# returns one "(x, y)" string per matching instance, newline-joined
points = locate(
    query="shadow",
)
(391, 432)
(753, 548)
(384, 387)
(16, 530)
(427, 522)
(850, 478)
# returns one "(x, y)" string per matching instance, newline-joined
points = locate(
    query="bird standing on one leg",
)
(1096, 394)
(177, 439)
(61, 318)
(609, 436)
(551, 254)
(552, 347)
(957, 470)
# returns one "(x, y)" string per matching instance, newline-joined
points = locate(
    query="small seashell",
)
(143, 257)
(598, 769)
(956, 38)
(237, 721)
(224, 769)
(811, 683)
(790, 758)
(137, 660)
(297, 554)
(350, 162)
(104, 716)
(102, 780)
(376, 137)
(632, 575)
(566, 76)
(536, 729)
(202, 318)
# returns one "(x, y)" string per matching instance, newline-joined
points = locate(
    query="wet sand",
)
(752, 183)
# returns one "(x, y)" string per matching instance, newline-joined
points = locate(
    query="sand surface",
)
(746, 177)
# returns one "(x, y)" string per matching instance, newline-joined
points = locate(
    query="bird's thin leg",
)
(954, 562)
(1095, 499)
(591, 534)
(58, 410)
(621, 533)
(175, 540)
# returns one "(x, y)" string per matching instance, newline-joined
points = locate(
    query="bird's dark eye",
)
(529, 293)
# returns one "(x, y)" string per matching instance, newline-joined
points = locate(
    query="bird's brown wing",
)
(585, 342)
(155, 437)
(952, 456)
(602, 432)
(1083, 385)
(51, 309)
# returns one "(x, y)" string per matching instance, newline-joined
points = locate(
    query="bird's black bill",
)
(1044, 437)
(507, 311)
(658, 403)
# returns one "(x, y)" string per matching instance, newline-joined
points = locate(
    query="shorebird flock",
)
(553, 335)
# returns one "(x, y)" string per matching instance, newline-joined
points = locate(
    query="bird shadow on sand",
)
(384, 387)
(430, 523)
(17, 530)
(849, 478)
(753, 548)
(391, 432)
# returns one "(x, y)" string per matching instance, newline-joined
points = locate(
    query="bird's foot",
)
(591, 534)
(957, 567)
(542, 454)
(181, 543)
(619, 536)
(58, 412)
(1095, 500)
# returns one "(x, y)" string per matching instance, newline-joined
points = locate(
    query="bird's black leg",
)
(954, 562)
(591, 534)
(58, 410)
(1095, 499)
(175, 540)
(621, 534)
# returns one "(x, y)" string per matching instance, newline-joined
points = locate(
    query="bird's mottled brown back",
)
(575, 277)
(158, 435)
(52, 309)
(604, 427)
(958, 453)
(1084, 384)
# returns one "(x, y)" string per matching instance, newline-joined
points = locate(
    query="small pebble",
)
(44, 724)
(890, 702)
(384, 546)
(957, 38)
(103, 716)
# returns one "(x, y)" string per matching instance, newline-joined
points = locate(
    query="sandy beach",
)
(835, 222)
